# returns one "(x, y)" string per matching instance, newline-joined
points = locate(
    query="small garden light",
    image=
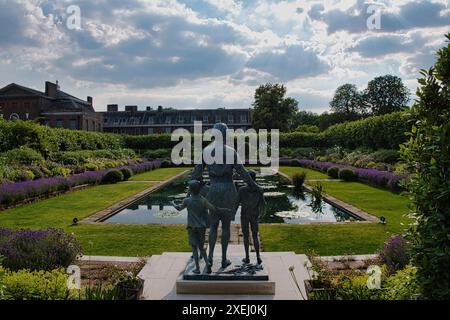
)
(75, 221)
(383, 220)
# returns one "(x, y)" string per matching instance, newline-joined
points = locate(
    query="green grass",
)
(310, 174)
(158, 175)
(340, 239)
(145, 240)
(122, 240)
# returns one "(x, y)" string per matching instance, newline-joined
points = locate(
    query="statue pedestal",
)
(235, 279)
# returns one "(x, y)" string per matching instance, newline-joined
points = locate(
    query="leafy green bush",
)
(91, 167)
(428, 155)
(23, 155)
(298, 179)
(112, 176)
(23, 175)
(157, 154)
(403, 285)
(127, 173)
(35, 285)
(347, 174)
(386, 156)
(166, 164)
(333, 172)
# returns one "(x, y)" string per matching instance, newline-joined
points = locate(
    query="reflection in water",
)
(284, 205)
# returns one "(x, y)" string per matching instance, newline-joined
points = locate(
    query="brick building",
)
(136, 122)
(54, 108)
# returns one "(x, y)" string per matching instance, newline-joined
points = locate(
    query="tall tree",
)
(386, 94)
(271, 109)
(347, 100)
(428, 155)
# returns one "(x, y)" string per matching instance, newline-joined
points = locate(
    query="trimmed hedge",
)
(380, 132)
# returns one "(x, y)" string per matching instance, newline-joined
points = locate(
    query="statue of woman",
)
(222, 192)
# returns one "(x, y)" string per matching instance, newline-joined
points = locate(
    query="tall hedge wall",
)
(381, 132)
(14, 134)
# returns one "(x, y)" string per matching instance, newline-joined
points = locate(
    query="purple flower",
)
(11, 193)
(372, 176)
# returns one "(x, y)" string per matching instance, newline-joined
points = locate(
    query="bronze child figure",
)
(197, 222)
(252, 207)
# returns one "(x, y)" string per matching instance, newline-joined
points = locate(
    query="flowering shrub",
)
(395, 253)
(11, 193)
(35, 285)
(45, 249)
(379, 178)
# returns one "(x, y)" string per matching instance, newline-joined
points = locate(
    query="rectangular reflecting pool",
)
(284, 205)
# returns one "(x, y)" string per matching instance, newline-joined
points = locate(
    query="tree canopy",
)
(271, 109)
(386, 94)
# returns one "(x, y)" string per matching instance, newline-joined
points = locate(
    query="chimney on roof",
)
(51, 89)
(112, 108)
(149, 108)
(131, 108)
(89, 100)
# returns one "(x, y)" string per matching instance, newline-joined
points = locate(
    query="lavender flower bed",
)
(384, 179)
(11, 193)
(45, 249)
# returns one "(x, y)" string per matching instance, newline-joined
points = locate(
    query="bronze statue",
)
(197, 221)
(252, 207)
(222, 191)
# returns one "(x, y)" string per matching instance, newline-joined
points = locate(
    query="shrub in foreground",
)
(45, 249)
(127, 173)
(112, 176)
(35, 285)
(298, 179)
(395, 253)
(347, 174)
(333, 172)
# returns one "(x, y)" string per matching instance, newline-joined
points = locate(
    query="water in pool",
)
(284, 205)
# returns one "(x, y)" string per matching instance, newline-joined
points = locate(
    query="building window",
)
(46, 123)
(149, 130)
(168, 130)
(168, 120)
(59, 123)
(99, 127)
(243, 118)
(218, 119)
(206, 118)
(230, 118)
(73, 124)
(180, 119)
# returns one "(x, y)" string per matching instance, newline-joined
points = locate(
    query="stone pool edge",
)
(367, 218)
(100, 216)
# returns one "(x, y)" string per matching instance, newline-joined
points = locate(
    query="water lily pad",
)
(293, 214)
(274, 194)
(167, 213)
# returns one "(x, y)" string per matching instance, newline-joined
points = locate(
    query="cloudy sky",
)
(214, 53)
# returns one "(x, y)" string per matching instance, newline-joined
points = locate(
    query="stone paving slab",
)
(161, 273)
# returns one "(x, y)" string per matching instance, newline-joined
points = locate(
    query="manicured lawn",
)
(101, 239)
(340, 239)
(310, 174)
(158, 175)
(145, 240)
